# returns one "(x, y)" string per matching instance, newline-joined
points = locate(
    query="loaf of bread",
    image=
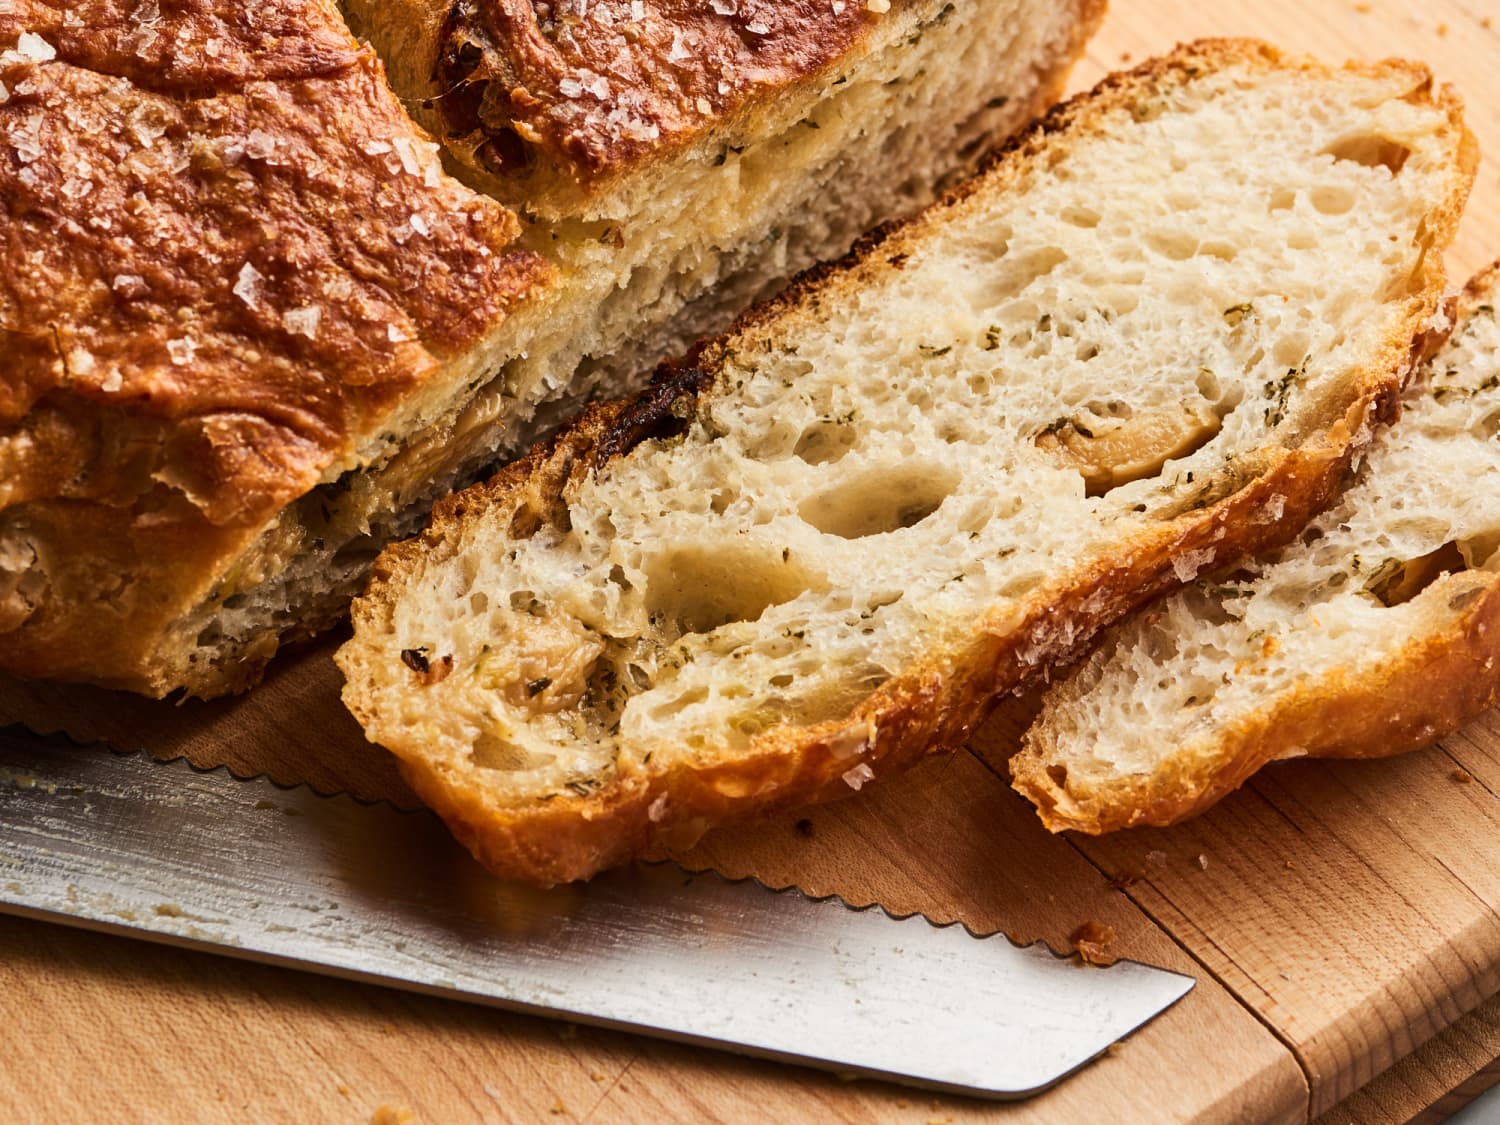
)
(251, 328)
(1374, 633)
(1146, 340)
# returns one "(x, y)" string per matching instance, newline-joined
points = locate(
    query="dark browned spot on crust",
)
(661, 411)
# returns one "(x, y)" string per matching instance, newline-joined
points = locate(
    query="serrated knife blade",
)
(170, 853)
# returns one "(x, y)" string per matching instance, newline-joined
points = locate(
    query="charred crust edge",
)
(663, 410)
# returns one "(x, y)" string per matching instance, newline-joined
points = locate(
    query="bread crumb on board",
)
(1091, 942)
(393, 1115)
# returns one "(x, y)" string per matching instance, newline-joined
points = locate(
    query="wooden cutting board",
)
(1343, 919)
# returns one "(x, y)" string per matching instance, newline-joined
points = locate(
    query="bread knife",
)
(167, 852)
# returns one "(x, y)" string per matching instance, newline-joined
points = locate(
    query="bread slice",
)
(1375, 633)
(252, 329)
(1146, 340)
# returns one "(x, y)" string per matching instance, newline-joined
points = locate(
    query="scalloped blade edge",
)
(168, 852)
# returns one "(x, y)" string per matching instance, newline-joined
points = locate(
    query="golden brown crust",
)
(1437, 682)
(564, 98)
(228, 257)
(929, 707)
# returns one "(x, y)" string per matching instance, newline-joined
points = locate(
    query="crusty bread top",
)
(1150, 337)
(554, 103)
(229, 259)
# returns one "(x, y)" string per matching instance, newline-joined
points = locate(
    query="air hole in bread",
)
(703, 588)
(1282, 199)
(1332, 200)
(1176, 246)
(1479, 550)
(1012, 276)
(1111, 447)
(879, 501)
(1059, 775)
(1290, 351)
(824, 442)
(1399, 582)
(529, 519)
(505, 152)
(1372, 151)
(491, 752)
(673, 704)
(1085, 217)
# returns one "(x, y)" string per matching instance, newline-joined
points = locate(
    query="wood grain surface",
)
(1343, 920)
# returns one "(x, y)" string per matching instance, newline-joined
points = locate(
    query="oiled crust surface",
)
(1441, 675)
(227, 256)
(930, 706)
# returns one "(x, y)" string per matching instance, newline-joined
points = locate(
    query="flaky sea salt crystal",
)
(129, 285)
(247, 285)
(408, 155)
(1188, 565)
(856, 778)
(303, 321)
(725, 7)
(81, 362)
(146, 125)
(33, 47)
(419, 224)
(570, 87)
(678, 51)
(396, 334)
(377, 148)
(758, 27)
(637, 10)
(259, 144)
(181, 351)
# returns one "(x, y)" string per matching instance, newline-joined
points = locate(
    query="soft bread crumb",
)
(1322, 649)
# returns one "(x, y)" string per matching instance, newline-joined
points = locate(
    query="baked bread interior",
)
(1376, 632)
(1145, 341)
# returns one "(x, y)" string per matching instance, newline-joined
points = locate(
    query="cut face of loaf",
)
(1375, 633)
(250, 329)
(1145, 341)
